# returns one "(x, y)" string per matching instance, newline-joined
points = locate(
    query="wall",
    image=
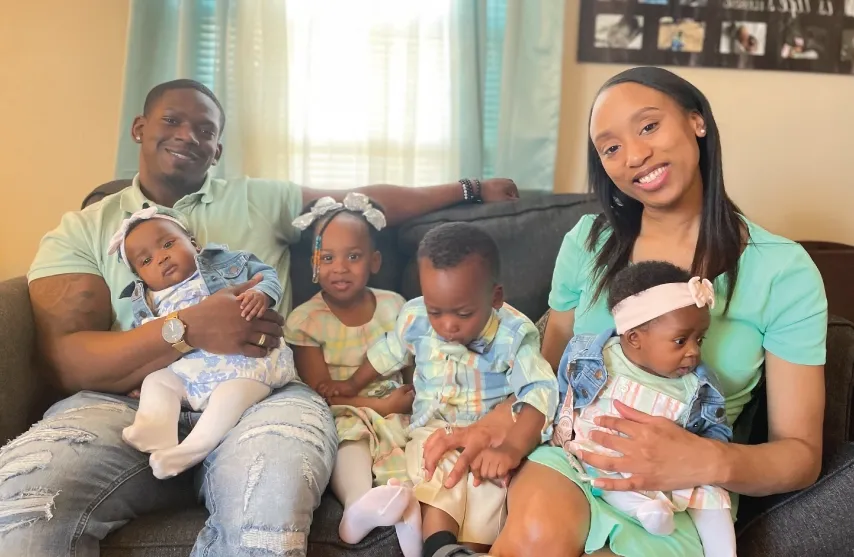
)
(788, 140)
(61, 76)
(785, 160)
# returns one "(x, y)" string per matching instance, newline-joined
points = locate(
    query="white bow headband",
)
(117, 243)
(353, 201)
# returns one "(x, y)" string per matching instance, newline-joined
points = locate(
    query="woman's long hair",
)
(720, 240)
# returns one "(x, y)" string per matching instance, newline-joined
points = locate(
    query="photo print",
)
(803, 42)
(847, 54)
(681, 35)
(619, 31)
(743, 37)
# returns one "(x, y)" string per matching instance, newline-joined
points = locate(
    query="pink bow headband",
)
(117, 243)
(658, 300)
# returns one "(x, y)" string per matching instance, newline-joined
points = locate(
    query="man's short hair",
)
(159, 90)
(449, 244)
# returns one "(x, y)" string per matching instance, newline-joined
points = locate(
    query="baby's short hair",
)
(449, 244)
(634, 279)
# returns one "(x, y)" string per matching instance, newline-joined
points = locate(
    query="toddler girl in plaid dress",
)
(330, 335)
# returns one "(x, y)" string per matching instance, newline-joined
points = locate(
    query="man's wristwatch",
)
(173, 332)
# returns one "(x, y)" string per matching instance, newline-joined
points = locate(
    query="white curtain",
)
(326, 93)
(343, 93)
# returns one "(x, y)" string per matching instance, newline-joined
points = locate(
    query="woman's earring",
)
(138, 139)
(702, 132)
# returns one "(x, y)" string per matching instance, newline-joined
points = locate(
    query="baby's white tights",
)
(367, 507)
(715, 526)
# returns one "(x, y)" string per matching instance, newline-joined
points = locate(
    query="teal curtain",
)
(510, 55)
(507, 89)
(169, 39)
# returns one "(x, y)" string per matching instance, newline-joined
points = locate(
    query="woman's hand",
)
(489, 432)
(659, 455)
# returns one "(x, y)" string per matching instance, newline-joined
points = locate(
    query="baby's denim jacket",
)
(219, 268)
(582, 368)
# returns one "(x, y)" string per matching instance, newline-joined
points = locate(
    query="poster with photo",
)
(790, 35)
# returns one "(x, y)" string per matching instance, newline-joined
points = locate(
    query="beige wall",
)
(61, 73)
(787, 161)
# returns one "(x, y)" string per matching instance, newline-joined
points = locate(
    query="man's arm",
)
(400, 203)
(73, 315)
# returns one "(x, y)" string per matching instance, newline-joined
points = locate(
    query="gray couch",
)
(529, 233)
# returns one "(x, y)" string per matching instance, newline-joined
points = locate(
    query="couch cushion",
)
(172, 534)
(529, 233)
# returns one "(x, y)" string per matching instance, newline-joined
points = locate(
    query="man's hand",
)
(495, 464)
(400, 400)
(330, 389)
(216, 325)
(498, 189)
(253, 303)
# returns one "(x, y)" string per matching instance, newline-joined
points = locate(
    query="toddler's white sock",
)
(381, 506)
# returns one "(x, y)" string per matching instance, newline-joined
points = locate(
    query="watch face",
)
(173, 331)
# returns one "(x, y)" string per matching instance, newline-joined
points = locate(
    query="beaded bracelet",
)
(471, 190)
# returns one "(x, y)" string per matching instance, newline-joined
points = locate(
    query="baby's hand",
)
(496, 464)
(400, 400)
(253, 303)
(330, 388)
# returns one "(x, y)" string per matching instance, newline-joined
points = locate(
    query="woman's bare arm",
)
(791, 459)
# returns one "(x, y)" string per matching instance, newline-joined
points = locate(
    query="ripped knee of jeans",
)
(25, 509)
(275, 542)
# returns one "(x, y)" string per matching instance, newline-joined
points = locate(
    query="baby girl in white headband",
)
(651, 363)
(174, 273)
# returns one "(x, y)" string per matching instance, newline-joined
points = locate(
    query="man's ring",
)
(262, 339)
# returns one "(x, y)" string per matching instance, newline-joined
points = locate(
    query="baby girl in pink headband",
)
(650, 362)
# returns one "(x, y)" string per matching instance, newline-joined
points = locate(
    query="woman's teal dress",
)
(779, 305)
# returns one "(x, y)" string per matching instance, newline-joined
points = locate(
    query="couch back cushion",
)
(528, 232)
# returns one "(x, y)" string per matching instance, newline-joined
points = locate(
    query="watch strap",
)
(181, 346)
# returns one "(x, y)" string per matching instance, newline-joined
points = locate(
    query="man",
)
(72, 479)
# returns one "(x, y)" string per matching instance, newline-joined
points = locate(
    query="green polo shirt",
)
(245, 214)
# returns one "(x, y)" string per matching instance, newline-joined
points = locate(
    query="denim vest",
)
(582, 368)
(219, 268)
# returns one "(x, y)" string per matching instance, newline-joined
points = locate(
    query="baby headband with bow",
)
(664, 298)
(117, 243)
(353, 201)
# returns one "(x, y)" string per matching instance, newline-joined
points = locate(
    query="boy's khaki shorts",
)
(480, 511)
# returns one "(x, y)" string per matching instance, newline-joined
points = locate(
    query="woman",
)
(654, 160)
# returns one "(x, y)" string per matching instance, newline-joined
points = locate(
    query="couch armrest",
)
(19, 382)
(839, 380)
